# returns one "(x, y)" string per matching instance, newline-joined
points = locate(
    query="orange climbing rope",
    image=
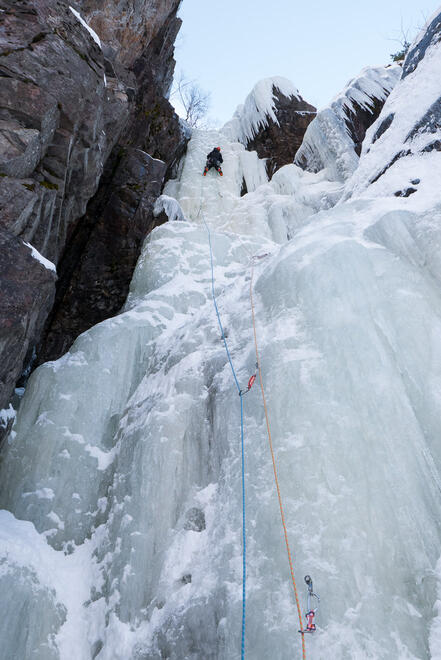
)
(259, 367)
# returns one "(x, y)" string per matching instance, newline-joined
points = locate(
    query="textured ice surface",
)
(327, 143)
(121, 535)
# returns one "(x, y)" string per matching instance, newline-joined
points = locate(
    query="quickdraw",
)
(251, 382)
(310, 614)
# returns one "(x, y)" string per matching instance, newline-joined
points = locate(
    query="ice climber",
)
(214, 159)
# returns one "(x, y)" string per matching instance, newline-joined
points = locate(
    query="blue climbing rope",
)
(244, 547)
(244, 542)
(217, 309)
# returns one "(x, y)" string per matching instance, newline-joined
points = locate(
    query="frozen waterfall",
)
(120, 535)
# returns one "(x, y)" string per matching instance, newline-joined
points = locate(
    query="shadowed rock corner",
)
(83, 128)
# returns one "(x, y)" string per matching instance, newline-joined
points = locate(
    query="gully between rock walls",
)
(121, 534)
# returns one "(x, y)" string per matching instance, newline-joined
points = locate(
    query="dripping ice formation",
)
(258, 108)
(327, 142)
(120, 534)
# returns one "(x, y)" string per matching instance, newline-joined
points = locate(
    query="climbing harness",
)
(241, 393)
(310, 614)
(276, 478)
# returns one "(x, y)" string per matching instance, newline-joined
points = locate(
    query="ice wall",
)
(121, 483)
(328, 143)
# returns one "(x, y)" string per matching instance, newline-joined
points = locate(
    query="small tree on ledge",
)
(400, 54)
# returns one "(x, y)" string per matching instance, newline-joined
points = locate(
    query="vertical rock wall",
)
(78, 117)
(279, 140)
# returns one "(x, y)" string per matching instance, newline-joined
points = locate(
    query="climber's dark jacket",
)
(215, 157)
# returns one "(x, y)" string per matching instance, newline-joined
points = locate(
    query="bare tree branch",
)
(404, 42)
(193, 98)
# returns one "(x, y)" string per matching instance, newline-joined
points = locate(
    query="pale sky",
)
(227, 46)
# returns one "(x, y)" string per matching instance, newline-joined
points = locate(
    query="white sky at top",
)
(228, 46)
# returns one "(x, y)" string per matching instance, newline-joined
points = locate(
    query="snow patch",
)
(92, 33)
(171, 208)
(56, 519)
(6, 415)
(104, 458)
(39, 257)
(42, 494)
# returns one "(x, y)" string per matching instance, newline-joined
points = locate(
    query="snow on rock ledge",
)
(259, 107)
(333, 140)
(429, 36)
(92, 33)
(272, 121)
(168, 208)
(401, 151)
(39, 257)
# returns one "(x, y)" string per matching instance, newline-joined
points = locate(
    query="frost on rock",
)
(401, 152)
(121, 537)
(428, 36)
(331, 139)
(259, 107)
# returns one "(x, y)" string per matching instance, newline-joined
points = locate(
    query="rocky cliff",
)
(87, 138)
(272, 121)
(280, 139)
(400, 155)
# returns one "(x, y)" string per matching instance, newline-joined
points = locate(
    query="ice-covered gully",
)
(121, 488)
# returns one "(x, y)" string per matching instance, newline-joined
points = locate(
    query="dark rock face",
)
(423, 136)
(53, 128)
(102, 255)
(195, 520)
(399, 157)
(430, 122)
(431, 37)
(97, 268)
(279, 142)
(127, 27)
(358, 119)
(27, 290)
(75, 120)
(384, 125)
